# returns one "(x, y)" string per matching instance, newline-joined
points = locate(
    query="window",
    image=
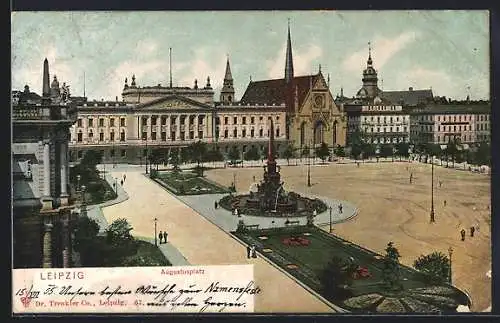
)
(153, 135)
(122, 122)
(79, 122)
(235, 133)
(91, 122)
(261, 118)
(153, 120)
(123, 152)
(122, 136)
(101, 136)
(172, 135)
(163, 136)
(244, 120)
(261, 132)
(277, 119)
(79, 137)
(252, 133)
(200, 134)
(144, 135)
(439, 119)
(144, 121)
(101, 122)
(163, 120)
(390, 120)
(397, 129)
(277, 132)
(244, 133)
(439, 128)
(226, 120)
(226, 133)
(378, 119)
(191, 135)
(252, 120)
(80, 154)
(172, 120)
(144, 152)
(112, 136)
(183, 136)
(235, 120)
(112, 153)
(91, 134)
(390, 129)
(112, 122)
(200, 120)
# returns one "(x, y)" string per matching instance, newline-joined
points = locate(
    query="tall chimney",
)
(46, 80)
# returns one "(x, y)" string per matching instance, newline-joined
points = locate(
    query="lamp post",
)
(146, 154)
(432, 191)
(84, 210)
(156, 239)
(234, 180)
(78, 177)
(330, 219)
(450, 252)
(309, 165)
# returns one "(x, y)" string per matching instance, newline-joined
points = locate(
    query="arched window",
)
(319, 130)
(334, 132)
(303, 134)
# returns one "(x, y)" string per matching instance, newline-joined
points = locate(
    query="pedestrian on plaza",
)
(357, 163)
(472, 229)
(462, 233)
(165, 234)
(160, 235)
(444, 202)
(254, 253)
(248, 251)
(440, 183)
(314, 212)
(124, 177)
(340, 208)
(236, 212)
(411, 177)
(254, 178)
(121, 182)
(215, 204)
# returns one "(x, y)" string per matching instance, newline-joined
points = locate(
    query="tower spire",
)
(227, 91)
(84, 84)
(46, 79)
(170, 65)
(370, 62)
(289, 58)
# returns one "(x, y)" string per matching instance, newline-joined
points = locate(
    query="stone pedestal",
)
(47, 203)
(66, 253)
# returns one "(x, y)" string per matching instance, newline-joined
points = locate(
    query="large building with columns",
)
(42, 205)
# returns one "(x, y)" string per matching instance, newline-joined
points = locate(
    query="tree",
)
(174, 159)
(402, 149)
(288, 153)
(119, 230)
(386, 150)
(391, 271)
(156, 157)
(86, 242)
(184, 155)
(214, 155)
(234, 154)
(482, 155)
(91, 159)
(305, 151)
(198, 151)
(336, 279)
(339, 151)
(119, 241)
(323, 151)
(252, 154)
(436, 265)
(452, 149)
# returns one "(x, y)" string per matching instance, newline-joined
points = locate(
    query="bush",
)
(336, 279)
(241, 228)
(436, 265)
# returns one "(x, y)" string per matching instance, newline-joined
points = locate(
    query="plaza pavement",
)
(392, 209)
(203, 243)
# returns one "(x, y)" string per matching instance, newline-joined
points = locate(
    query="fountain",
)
(270, 197)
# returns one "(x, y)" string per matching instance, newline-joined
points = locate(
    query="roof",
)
(454, 108)
(274, 91)
(411, 97)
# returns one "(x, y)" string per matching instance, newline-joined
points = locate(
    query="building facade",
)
(42, 202)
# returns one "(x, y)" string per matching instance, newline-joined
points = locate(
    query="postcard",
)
(251, 162)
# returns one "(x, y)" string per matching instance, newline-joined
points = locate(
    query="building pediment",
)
(174, 102)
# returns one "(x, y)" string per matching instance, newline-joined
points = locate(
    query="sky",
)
(447, 51)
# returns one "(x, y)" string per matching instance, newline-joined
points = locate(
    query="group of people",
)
(472, 230)
(251, 252)
(163, 237)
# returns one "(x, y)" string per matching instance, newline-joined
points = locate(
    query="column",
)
(47, 245)
(66, 254)
(64, 171)
(178, 125)
(46, 198)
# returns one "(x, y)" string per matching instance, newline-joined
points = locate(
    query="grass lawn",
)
(149, 251)
(188, 183)
(307, 262)
(97, 190)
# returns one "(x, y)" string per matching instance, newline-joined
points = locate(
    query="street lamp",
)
(309, 165)
(432, 191)
(330, 219)
(84, 210)
(156, 239)
(146, 154)
(78, 177)
(450, 252)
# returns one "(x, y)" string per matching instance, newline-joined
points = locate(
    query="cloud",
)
(383, 49)
(146, 47)
(302, 61)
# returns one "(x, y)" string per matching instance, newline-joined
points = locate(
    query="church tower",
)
(227, 91)
(370, 80)
(289, 58)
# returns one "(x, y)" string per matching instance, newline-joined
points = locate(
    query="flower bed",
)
(363, 301)
(419, 306)
(295, 241)
(391, 305)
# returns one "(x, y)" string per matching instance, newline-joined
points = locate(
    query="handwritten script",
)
(135, 289)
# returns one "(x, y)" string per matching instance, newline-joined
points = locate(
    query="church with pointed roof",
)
(312, 117)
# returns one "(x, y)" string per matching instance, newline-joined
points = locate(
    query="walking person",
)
(254, 254)
(340, 208)
(160, 235)
(121, 182)
(462, 233)
(440, 183)
(411, 177)
(444, 202)
(124, 177)
(254, 178)
(215, 204)
(249, 250)
(165, 234)
(472, 229)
